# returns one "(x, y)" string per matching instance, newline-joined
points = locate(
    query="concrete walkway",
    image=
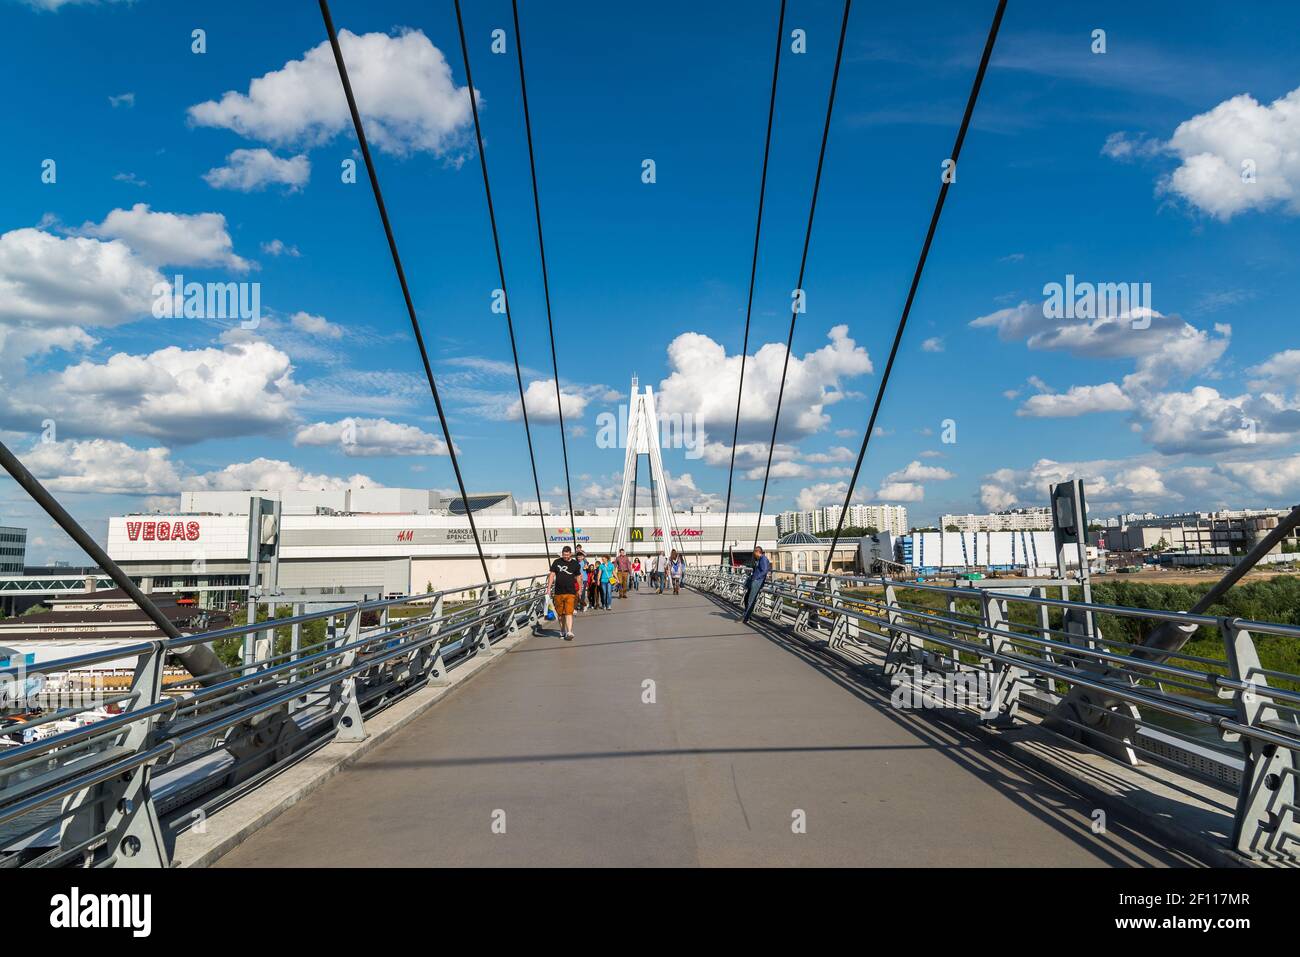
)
(670, 734)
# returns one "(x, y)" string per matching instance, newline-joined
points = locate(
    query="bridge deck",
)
(747, 728)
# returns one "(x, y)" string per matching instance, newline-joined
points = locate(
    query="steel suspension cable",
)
(401, 277)
(753, 272)
(546, 283)
(803, 261)
(501, 272)
(920, 266)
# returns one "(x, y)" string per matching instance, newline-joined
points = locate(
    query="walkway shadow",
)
(1052, 801)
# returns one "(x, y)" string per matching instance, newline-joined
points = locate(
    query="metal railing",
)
(110, 780)
(1012, 658)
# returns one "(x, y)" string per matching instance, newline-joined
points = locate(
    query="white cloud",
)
(823, 493)
(901, 492)
(1121, 146)
(176, 394)
(371, 437)
(1280, 371)
(703, 381)
(1128, 335)
(102, 466)
(747, 453)
(1078, 400)
(1275, 477)
(996, 498)
(122, 99)
(933, 344)
(1202, 420)
(685, 494)
(1213, 147)
(403, 87)
(540, 396)
(837, 454)
(787, 469)
(250, 170)
(915, 471)
(316, 325)
(107, 467)
(273, 475)
(277, 247)
(52, 281)
(173, 239)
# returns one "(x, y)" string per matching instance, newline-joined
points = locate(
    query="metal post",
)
(121, 809)
(1265, 819)
(346, 708)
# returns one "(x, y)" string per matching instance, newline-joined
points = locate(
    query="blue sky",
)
(1122, 166)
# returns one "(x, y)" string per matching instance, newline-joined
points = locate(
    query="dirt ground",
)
(1189, 576)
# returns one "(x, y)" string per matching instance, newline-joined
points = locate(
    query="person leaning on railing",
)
(757, 578)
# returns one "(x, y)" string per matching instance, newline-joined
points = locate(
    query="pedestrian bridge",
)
(668, 733)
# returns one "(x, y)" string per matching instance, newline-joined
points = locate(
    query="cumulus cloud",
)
(102, 466)
(1105, 479)
(53, 281)
(107, 467)
(1280, 371)
(403, 87)
(1239, 136)
(250, 170)
(779, 470)
(273, 475)
(173, 393)
(1274, 477)
(1078, 400)
(315, 325)
(1168, 349)
(371, 437)
(1203, 420)
(540, 396)
(171, 239)
(1124, 335)
(823, 493)
(933, 344)
(703, 382)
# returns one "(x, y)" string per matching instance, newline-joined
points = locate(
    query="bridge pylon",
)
(642, 438)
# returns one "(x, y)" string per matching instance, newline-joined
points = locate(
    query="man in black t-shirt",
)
(562, 583)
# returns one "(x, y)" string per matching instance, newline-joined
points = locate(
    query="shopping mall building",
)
(384, 541)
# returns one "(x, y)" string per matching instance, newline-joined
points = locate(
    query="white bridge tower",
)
(643, 439)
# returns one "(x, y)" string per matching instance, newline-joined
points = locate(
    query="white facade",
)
(395, 553)
(1019, 519)
(997, 549)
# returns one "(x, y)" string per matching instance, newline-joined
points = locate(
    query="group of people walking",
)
(580, 583)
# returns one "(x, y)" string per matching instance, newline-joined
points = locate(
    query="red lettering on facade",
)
(175, 530)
